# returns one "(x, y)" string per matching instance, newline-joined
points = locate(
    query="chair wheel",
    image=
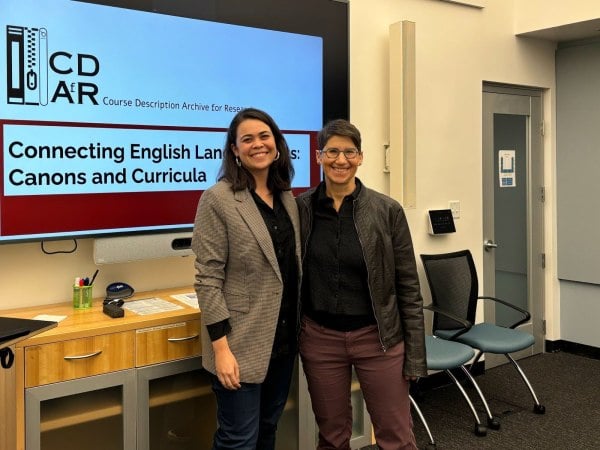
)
(539, 409)
(480, 430)
(493, 423)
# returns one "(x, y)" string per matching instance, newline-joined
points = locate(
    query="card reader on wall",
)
(441, 221)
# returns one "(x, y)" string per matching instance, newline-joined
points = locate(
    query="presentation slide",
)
(113, 120)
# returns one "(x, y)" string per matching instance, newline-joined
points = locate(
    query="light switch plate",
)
(454, 206)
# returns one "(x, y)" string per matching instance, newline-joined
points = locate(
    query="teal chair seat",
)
(442, 354)
(491, 338)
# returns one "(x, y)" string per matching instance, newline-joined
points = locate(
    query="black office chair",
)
(454, 288)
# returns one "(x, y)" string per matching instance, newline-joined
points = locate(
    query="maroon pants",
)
(328, 357)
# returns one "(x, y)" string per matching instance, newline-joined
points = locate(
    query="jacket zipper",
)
(304, 245)
(383, 347)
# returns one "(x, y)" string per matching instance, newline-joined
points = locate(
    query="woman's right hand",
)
(228, 371)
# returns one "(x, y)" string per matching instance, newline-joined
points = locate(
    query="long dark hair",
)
(281, 171)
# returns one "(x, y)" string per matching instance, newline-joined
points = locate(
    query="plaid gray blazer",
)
(237, 276)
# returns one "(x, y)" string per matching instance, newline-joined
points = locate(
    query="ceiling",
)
(572, 32)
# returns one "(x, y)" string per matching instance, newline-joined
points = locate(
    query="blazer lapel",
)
(251, 215)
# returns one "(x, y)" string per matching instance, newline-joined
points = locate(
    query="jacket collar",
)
(318, 192)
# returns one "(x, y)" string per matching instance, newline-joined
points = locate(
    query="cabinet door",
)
(94, 413)
(176, 406)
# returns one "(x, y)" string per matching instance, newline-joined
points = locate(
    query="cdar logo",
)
(82, 65)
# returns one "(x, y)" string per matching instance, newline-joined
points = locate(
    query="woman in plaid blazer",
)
(247, 246)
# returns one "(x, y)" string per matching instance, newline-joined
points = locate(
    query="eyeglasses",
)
(333, 153)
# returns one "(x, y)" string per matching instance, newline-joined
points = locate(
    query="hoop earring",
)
(277, 157)
(238, 161)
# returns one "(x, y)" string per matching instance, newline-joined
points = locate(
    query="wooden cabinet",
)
(132, 383)
(77, 358)
(80, 385)
(167, 343)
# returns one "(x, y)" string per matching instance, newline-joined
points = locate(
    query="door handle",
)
(487, 245)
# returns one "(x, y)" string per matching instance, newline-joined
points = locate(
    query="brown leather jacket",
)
(393, 280)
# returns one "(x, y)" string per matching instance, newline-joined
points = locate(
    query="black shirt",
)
(335, 290)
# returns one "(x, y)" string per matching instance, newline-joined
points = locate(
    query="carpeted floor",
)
(566, 384)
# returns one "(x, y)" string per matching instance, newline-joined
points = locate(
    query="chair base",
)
(480, 430)
(493, 423)
(538, 408)
(431, 445)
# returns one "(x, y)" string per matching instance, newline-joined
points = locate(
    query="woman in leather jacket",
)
(361, 303)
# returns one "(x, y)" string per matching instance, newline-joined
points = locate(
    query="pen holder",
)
(82, 297)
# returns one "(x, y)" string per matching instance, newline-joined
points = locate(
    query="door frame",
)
(520, 101)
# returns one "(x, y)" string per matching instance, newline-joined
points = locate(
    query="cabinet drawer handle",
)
(89, 355)
(187, 338)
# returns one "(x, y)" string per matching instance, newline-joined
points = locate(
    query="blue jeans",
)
(248, 416)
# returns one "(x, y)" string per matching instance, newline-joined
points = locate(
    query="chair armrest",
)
(526, 315)
(465, 323)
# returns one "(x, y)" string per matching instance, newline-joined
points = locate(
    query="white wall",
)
(29, 277)
(457, 48)
(578, 88)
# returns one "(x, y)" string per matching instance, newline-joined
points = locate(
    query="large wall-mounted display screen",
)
(112, 120)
